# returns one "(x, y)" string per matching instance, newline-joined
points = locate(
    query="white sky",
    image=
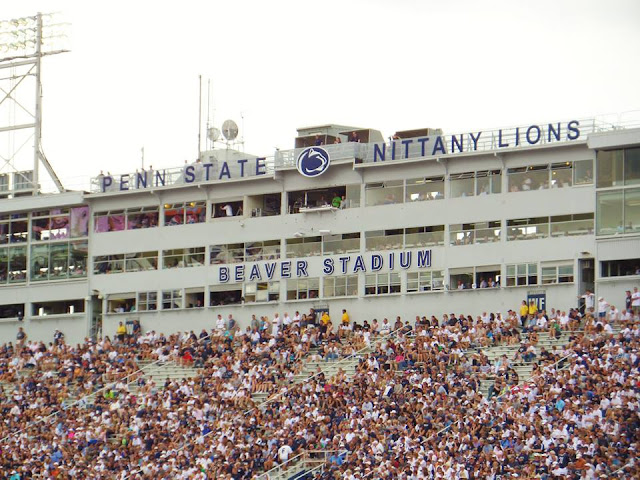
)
(131, 79)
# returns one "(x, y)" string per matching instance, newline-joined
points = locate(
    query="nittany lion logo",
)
(313, 161)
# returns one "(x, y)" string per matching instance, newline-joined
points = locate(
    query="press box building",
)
(420, 223)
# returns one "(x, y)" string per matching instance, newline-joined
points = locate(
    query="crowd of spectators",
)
(412, 410)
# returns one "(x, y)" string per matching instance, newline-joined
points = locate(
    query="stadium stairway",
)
(522, 368)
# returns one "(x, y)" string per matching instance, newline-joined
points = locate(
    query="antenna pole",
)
(199, 116)
(208, 140)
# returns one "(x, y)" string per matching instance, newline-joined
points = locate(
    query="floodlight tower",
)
(23, 43)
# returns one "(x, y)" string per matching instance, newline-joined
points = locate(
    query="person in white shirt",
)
(635, 302)
(603, 305)
(589, 301)
(283, 453)
(614, 314)
(275, 324)
(227, 209)
(220, 323)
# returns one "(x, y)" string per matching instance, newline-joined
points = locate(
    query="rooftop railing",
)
(497, 139)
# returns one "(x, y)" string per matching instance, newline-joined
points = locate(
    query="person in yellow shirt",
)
(121, 332)
(325, 320)
(524, 313)
(533, 308)
(345, 317)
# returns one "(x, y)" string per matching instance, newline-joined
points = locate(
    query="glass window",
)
(462, 184)
(145, 217)
(40, 262)
(17, 264)
(263, 250)
(382, 283)
(421, 189)
(384, 239)
(632, 210)
(632, 166)
(171, 299)
(112, 221)
(461, 278)
(304, 246)
(522, 274)
(184, 213)
(226, 294)
(62, 307)
(468, 233)
(569, 225)
(425, 281)
(488, 182)
(141, 261)
(52, 224)
(620, 268)
(522, 179)
(583, 172)
(59, 262)
(609, 213)
(609, 168)
(4, 265)
(384, 193)
(303, 288)
(183, 257)
(424, 236)
(261, 292)
(343, 286)
(147, 301)
(527, 228)
(557, 274)
(341, 243)
(121, 303)
(561, 175)
(230, 253)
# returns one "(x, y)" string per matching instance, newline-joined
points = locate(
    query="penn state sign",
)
(313, 161)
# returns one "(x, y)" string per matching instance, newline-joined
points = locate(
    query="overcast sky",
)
(131, 79)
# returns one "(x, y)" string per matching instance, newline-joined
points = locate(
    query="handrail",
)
(630, 464)
(88, 396)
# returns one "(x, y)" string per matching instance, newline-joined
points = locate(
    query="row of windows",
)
(459, 234)
(341, 286)
(475, 183)
(55, 261)
(45, 225)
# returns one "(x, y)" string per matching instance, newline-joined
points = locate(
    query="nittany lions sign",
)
(313, 161)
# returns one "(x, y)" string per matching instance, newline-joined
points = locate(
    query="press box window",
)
(303, 288)
(63, 307)
(382, 284)
(261, 292)
(147, 301)
(227, 294)
(557, 274)
(425, 281)
(171, 299)
(620, 268)
(343, 286)
(522, 274)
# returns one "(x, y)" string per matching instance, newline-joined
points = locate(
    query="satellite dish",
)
(229, 130)
(213, 134)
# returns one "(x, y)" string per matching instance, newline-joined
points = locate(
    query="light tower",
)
(23, 43)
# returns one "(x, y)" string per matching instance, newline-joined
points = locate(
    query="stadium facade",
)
(418, 224)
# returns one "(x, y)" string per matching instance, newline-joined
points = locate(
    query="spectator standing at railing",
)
(589, 301)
